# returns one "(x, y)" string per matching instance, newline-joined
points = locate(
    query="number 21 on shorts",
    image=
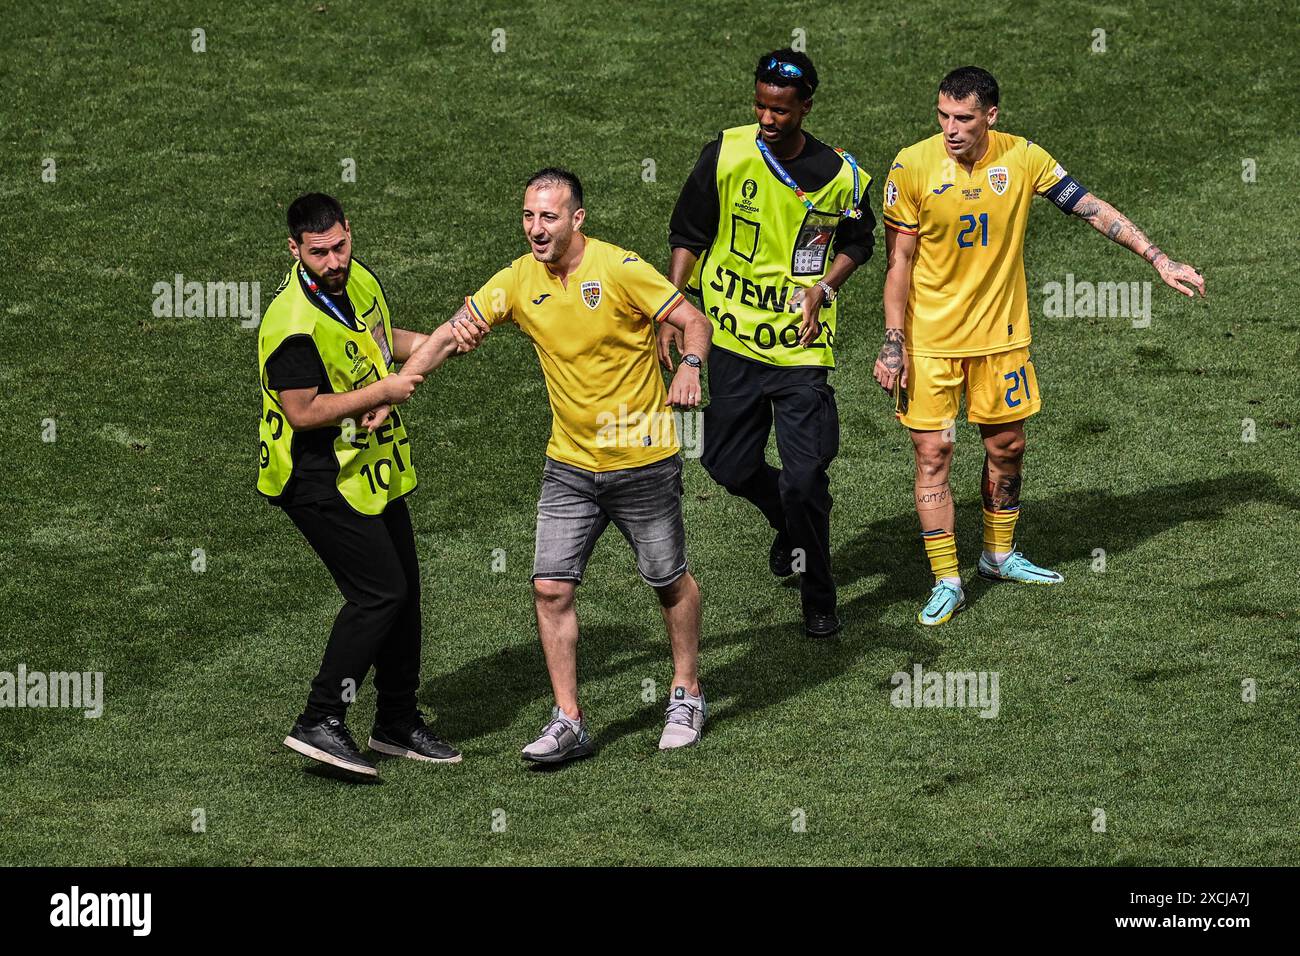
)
(1019, 383)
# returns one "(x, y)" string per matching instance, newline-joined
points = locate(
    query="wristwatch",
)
(692, 360)
(826, 287)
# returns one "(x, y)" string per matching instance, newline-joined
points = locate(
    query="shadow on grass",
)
(492, 692)
(779, 663)
(1053, 531)
(322, 771)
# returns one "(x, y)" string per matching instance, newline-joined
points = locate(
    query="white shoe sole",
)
(994, 576)
(579, 752)
(395, 751)
(307, 750)
(685, 743)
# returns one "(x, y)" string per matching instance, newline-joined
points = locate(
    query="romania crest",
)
(591, 293)
(999, 179)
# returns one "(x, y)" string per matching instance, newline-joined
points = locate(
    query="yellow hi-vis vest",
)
(374, 467)
(769, 245)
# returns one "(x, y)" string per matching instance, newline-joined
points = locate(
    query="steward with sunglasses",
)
(768, 227)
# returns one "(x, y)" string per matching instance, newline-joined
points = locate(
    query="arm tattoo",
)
(1118, 229)
(1137, 241)
(891, 353)
(1087, 209)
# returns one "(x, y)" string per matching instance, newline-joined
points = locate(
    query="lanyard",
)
(327, 302)
(778, 170)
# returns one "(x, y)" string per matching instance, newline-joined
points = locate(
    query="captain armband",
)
(1066, 193)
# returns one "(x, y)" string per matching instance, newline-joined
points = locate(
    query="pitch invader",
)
(957, 315)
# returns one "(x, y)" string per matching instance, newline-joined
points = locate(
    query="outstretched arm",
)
(1108, 220)
(406, 343)
(428, 352)
(442, 343)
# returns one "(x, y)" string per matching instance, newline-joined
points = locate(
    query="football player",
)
(957, 316)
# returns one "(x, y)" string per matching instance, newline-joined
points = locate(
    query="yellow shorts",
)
(999, 388)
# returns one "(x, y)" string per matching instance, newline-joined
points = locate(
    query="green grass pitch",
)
(1121, 691)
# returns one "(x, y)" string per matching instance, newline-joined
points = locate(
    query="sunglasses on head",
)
(791, 70)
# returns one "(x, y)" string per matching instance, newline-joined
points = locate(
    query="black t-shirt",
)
(297, 364)
(695, 217)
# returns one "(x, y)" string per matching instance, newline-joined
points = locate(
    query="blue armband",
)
(1067, 193)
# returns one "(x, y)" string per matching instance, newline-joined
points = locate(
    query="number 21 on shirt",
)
(963, 240)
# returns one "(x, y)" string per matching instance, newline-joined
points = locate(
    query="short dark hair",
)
(556, 176)
(766, 72)
(965, 80)
(313, 212)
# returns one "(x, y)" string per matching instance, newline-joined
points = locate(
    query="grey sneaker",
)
(562, 739)
(684, 720)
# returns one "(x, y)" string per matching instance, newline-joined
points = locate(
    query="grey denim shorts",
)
(645, 504)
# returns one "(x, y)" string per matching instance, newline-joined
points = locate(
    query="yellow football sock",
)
(941, 549)
(1000, 530)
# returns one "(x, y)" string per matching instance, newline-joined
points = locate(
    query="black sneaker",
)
(820, 624)
(330, 743)
(779, 559)
(414, 740)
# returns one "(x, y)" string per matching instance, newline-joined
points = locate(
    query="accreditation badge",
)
(379, 332)
(813, 244)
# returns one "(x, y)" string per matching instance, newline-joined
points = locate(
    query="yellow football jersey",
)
(967, 295)
(595, 339)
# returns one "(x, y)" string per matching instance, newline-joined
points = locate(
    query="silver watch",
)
(826, 288)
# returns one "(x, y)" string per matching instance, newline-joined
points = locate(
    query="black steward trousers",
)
(373, 561)
(745, 397)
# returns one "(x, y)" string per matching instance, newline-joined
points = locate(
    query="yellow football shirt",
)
(595, 339)
(967, 295)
